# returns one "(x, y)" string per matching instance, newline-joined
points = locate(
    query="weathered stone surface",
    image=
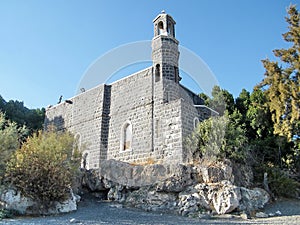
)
(26, 206)
(261, 215)
(218, 197)
(14, 200)
(226, 198)
(180, 177)
(217, 173)
(93, 180)
(170, 178)
(243, 175)
(221, 198)
(253, 199)
(191, 201)
(150, 200)
(117, 193)
(66, 206)
(175, 187)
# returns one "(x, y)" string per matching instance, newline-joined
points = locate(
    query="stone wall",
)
(165, 53)
(84, 118)
(131, 102)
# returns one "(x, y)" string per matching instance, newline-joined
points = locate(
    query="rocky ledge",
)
(189, 190)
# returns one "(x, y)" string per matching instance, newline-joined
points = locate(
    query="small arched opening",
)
(160, 28)
(157, 73)
(126, 137)
(77, 141)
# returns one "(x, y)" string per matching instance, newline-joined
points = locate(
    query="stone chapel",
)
(143, 117)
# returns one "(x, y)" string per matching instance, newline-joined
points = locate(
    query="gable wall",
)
(83, 118)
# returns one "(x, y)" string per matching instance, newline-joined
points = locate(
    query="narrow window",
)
(126, 137)
(167, 96)
(196, 122)
(157, 73)
(84, 160)
(157, 128)
(173, 30)
(168, 28)
(176, 74)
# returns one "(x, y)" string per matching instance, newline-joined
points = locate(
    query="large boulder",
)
(13, 200)
(221, 198)
(253, 199)
(226, 198)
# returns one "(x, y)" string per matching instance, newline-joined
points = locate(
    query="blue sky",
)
(46, 46)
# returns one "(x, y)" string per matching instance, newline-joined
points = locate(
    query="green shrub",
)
(280, 184)
(10, 136)
(218, 138)
(45, 166)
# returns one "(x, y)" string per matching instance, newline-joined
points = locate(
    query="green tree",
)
(221, 101)
(35, 118)
(45, 166)
(205, 98)
(10, 140)
(15, 111)
(281, 81)
(258, 115)
(2, 104)
(243, 101)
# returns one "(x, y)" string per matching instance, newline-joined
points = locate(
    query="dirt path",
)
(93, 212)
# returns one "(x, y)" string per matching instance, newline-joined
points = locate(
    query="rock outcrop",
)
(188, 190)
(184, 189)
(222, 198)
(13, 200)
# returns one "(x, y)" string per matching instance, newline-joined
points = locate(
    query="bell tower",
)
(165, 54)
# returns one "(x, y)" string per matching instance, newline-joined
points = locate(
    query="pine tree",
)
(281, 81)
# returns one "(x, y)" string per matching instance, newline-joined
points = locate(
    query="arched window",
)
(126, 137)
(160, 28)
(196, 122)
(157, 73)
(77, 141)
(76, 144)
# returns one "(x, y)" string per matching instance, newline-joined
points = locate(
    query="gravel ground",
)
(95, 212)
